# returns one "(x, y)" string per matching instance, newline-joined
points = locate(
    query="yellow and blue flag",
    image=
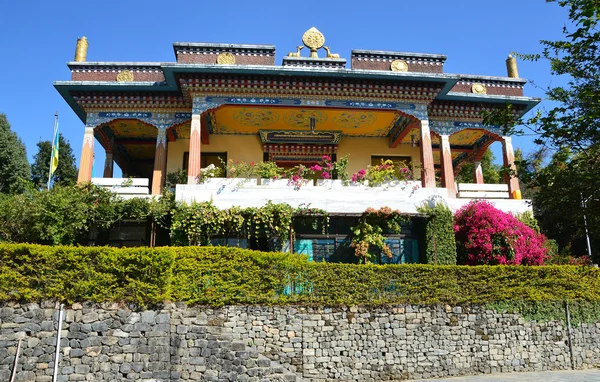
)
(54, 156)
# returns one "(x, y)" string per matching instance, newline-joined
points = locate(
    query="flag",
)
(54, 156)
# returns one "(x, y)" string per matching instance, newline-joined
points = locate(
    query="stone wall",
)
(252, 343)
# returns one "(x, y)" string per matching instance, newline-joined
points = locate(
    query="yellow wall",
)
(361, 149)
(246, 148)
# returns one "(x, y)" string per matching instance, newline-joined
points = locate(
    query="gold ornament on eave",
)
(226, 59)
(399, 66)
(479, 89)
(314, 40)
(125, 76)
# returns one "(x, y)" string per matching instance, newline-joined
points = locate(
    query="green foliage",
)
(570, 127)
(580, 311)
(66, 172)
(176, 177)
(368, 237)
(65, 214)
(222, 275)
(198, 223)
(440, 243)
(14, 167)
(491, 171)
(269, 170)
(529, 220)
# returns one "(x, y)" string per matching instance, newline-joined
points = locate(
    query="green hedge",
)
(221, 275)
(440, 243)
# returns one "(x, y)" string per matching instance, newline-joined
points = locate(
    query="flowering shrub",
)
(330, 170)
(368, 237)
(486, 235)
(385, 172)
(297, 176)
(239, 169)
(210, 171)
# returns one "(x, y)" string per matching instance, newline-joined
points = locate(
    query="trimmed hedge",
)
(440, 242)
(221, 275)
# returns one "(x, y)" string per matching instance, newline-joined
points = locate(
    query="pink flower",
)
(325, 175)
(327, 158)
(316, 168)
(490, 236)
(362, 172)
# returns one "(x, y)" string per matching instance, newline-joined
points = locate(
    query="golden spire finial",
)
(314, 40)
(81, 49)
(511, 67)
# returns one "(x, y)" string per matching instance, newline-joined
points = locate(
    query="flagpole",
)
(52, 148)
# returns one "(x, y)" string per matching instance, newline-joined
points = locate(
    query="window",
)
(206, 159)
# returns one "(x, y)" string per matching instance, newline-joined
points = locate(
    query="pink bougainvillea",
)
(486, 235)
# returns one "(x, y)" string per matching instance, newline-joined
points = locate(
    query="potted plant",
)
(269, 173)
(297, 176)
(332, 174)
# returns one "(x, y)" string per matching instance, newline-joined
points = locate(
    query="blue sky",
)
(38, 37)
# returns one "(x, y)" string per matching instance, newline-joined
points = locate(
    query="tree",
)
(570, 129)
(66, 172)
(491, 171)
(14, 167)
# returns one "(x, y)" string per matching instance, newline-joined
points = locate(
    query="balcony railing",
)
(125, 187)
(329, 195)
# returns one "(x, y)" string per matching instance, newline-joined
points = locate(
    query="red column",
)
(195, 148)
(87, 156)
(478, 173)
(160, 162)
(447, 170)
(427, 174)
(509, 162)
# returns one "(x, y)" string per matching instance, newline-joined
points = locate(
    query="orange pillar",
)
(195, 148)
(160, 162)
(509, 163)
(447, 169)
(87, 156)
(428, 173)
(478, 173)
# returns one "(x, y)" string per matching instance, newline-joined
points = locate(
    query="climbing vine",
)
(440, 244)
(198, 223)
(369, 239)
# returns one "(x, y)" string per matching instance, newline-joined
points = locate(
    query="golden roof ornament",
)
(479, 89)
(81, 49)
(399, 66)
(225, 58)
(125, 76)
(511, 67)
(314, 40)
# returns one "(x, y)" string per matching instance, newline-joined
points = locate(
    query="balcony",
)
(333, 197)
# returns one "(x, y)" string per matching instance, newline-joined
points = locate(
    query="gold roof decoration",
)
(399, 66)
(225, 59)
(125, 76)
(479, 89)
(314, 40)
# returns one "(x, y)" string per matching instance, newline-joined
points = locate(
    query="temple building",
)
(232, 101)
